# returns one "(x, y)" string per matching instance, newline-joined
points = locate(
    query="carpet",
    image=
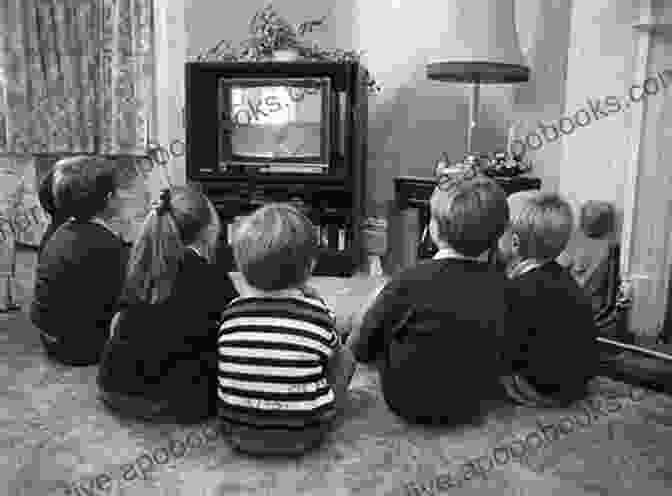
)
(57, 439)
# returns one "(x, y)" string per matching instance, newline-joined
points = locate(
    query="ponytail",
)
(155, 257)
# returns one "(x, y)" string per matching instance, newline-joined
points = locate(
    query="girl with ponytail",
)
(159, 361)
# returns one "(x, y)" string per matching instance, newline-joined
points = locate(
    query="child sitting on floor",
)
(283, 373)
(160, 360)
(591, 249)
(550, 335)
(81, 270)
(436, 326)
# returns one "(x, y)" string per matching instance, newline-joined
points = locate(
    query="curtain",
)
(127, 61)
(76, 76)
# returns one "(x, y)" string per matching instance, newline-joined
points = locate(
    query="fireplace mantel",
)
(654, 17)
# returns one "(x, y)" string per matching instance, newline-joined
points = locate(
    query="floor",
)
(57, 439)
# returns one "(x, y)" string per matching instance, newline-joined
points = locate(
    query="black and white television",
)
(286, 120)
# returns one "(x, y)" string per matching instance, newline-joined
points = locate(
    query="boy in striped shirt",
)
(283, 372)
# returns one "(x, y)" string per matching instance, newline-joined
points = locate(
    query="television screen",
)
(275, 123)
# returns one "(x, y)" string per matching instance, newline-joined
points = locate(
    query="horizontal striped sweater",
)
(272, 361)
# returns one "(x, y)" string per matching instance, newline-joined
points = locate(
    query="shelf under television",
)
(266, 178)
(330, 262)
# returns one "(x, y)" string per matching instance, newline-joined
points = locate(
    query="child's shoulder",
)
(551, 280)
(420, 269)
(261, 303)
(291, 309)
(429, 276)
(84, 239)
(90, 229)
(435, 269)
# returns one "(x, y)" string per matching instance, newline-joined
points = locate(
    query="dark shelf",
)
(332, 263)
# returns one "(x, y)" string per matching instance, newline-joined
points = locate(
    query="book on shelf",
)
(341, 239)
(331, 236)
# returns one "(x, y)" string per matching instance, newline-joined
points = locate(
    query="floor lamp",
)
(482, 48)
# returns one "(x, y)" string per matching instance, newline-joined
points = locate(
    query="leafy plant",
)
(9, 219)
(270, 32)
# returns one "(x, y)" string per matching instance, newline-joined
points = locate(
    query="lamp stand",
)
(474, 102)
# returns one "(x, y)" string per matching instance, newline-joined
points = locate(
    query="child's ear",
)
(515, 243)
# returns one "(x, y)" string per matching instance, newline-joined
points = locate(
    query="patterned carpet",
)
(57, 439)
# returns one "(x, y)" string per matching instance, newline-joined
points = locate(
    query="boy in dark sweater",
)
(81, 269)
(550, 336)
(435, 327)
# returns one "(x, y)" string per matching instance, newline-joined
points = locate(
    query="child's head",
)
(468, 215)
(597, 219)
(541, 224)
(85, 186)
(184, 217)
(46, 193)
(275, 247)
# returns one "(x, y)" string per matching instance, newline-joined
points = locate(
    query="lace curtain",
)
(76, 76)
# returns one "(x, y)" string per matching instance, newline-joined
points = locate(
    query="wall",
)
(413, 120)
(624, 157)
(651, 252)
(171, 54)
(544, 33)
(599, 65)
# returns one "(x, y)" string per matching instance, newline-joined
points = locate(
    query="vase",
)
(286, 55)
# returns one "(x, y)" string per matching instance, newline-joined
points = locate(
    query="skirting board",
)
(634, 368)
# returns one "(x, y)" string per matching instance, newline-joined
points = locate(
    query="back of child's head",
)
(183, 217)
(597, 219)
(83, 185)
(543, 223)
(470, 214)
(275, 247)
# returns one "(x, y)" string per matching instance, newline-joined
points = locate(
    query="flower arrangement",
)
(271, 33)
(13, 211)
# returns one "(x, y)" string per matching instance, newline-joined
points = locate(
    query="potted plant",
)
(272, 37)
(9, 234)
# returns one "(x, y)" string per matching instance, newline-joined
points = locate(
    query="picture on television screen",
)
(279, 121)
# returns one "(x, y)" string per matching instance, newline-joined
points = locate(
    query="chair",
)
(611, 318)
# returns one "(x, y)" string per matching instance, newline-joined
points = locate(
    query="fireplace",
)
(647, 223)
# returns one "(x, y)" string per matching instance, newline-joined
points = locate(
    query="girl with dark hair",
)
(48, 204)
(80, 270)
(159, 362)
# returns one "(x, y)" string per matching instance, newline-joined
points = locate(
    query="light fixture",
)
(483, 48)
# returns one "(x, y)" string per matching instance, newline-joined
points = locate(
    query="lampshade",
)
(481, 44)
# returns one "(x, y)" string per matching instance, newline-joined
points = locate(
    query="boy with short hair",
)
(436, 326)
(550, 335)
(80, 271)
(283, 373)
